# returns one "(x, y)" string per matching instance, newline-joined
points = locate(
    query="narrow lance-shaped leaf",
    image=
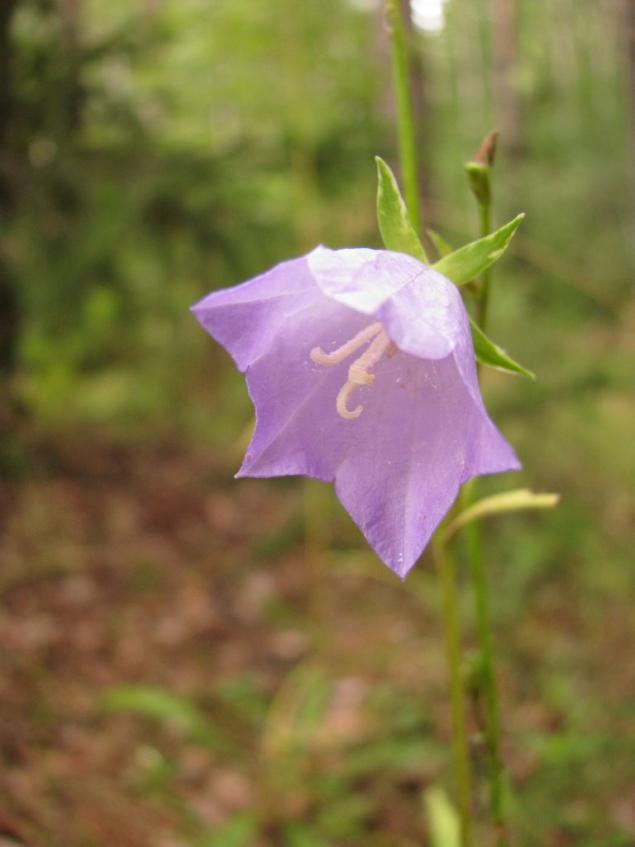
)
(443, 248)
(498, 504)
(443, 820)
(396, 229)
(469, 261)
(295, 711)
(163, 706)
(154, 702)
(494, 356)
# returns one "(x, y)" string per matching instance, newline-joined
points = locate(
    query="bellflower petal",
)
(246, 318)
(382, 332)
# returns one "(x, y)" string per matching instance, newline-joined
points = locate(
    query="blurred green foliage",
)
(153, 151)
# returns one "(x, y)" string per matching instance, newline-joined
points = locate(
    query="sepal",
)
(490, 354)
(442, 247)
(466, 263)
(396, 229)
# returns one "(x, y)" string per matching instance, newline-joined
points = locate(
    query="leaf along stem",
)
(405, 116)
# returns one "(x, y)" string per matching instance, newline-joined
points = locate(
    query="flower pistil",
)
(358, 373)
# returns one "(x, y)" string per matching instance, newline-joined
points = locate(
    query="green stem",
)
(487, 678)
(485, 217)
(460, 749)
(487, 682)
(395, 10)
(405, 115)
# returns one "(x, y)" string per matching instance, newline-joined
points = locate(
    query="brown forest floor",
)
(123, 565)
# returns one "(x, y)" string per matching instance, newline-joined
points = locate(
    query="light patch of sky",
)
(427, 15)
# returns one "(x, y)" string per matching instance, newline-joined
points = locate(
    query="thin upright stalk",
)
(395, 10)
(485, 219)
(460, 748)
(405, 114)
(487, 680)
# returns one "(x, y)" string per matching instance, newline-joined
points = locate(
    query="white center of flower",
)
(358, 373)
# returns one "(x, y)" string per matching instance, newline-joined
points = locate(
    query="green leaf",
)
(396, 229)
(443, 821)
(163, 706)
(296, 711)
(494, 356)
(303, 835)
(469, 261)
(441, 245)
(239, 831)
(498, 504)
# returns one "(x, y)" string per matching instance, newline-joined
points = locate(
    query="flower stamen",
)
(358, 372)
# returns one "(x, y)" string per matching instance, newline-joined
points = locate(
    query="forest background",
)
(188, 660)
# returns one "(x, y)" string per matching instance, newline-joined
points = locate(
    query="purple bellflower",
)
(361, 369)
